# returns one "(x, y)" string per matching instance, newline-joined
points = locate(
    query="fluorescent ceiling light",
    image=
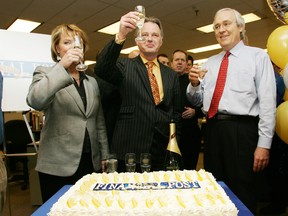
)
(251, 17)
(21, 25)
(205, 48)
(111, 29)
(89, 62)
(206, 29)
(128, 50)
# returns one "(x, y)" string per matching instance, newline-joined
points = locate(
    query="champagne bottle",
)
(173, 159)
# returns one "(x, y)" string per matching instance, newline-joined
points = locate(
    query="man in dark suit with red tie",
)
(143, 120)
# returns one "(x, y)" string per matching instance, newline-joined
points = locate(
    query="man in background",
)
(163, 58)
(190, 138)
(190, 62)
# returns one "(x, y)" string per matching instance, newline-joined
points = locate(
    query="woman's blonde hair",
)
(65, 29)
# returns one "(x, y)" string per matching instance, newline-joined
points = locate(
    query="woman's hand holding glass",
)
(78, 44)
(70, 57)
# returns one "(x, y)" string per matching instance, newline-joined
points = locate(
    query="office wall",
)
(20, 54)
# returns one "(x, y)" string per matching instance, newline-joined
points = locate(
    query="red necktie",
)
(221, 79)
(153, 83)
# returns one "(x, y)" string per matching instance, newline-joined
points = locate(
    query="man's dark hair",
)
(182, 51)
(162, 55)
(189, 57)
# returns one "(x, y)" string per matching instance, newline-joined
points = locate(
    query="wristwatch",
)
(119, 41)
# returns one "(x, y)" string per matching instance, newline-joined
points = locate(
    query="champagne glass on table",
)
(130, 162)
(79, 44)
(140, 22)
(112, 163)
(145, 162)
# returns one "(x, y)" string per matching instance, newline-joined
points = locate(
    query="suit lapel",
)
(165, 80)
(90, 96)
(72, 91)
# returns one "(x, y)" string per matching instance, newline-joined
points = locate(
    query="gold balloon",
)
(282, 121)
(280, 9)
(286, 17)
(277, 46)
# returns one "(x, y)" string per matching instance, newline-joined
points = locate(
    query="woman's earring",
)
(58, 58)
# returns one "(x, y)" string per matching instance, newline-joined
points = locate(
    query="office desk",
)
(45, 208)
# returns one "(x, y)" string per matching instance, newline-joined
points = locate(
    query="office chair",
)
(16, 138)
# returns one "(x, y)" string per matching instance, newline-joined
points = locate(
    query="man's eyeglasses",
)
(224, 25)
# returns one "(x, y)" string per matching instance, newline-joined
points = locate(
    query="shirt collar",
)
(236, 49)
(154, 61)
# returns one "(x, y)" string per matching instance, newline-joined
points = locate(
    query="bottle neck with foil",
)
(173, 145)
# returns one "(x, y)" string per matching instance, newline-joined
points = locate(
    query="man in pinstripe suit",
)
(142, 125)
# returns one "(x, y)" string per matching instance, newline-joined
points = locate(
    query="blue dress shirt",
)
(250, 88)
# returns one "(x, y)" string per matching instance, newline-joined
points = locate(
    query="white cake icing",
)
(188, 193)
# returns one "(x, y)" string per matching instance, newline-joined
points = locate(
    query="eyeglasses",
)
(224, 25)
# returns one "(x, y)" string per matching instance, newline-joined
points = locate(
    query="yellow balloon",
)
(286, 17)
(282, 121)
(277, 46)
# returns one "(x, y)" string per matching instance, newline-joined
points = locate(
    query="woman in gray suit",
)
(73, 140)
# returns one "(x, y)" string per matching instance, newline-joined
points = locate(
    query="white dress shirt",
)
(250, 88)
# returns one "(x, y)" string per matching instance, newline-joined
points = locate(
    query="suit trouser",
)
(190, 144)
(229, 155)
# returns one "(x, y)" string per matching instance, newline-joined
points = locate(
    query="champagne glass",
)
(201, 74)
(130, 161)
(140, 22)
(145, 162)
(79, 44)
(112, 163)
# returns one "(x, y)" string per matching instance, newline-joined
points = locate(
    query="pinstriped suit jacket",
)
(141, 126)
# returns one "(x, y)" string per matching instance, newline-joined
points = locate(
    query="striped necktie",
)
(153, 83)
(221, 79)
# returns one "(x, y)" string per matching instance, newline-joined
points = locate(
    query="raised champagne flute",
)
(79, 44)
(140, 22)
